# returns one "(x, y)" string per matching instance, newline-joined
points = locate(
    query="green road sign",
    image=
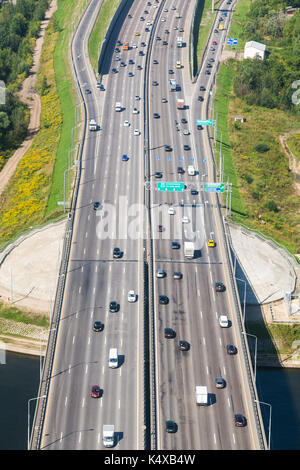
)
(170, 186)
(205, 122)
(215, 187)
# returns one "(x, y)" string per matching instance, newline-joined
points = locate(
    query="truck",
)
(108, 435)
(93, 125)
(179, 41)
(173, 84)
(191, 170)
(118, 107)
(178, 64)
(189, 250)
(180, 103)
(201, 395)
(125, 46)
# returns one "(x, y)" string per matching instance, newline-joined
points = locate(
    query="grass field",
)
(18, 315)
(236, 26)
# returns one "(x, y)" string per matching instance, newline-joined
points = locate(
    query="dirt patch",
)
(294, 163)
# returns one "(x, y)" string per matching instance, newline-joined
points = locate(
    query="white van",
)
(191, 170)
(113, 358)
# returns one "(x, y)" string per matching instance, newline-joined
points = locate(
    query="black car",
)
(155, 62)
(113, 306)
(141, 53)
(209, 65)
(97, 206)
(231, 349)
(143, 44)
(98, 326)
(184, 345)
(114, 70)
(171, 426)
(131, 61)
(240, 421)
(186, 147)
(200, 98)
(207, 72)
(158, 174)
(88, 91)
(199, 127)
(155, 83)
(117, 253)
(165, 43)
(184, 121)
(211, 60)
(180, 170)
(194, 192)
(168, 148)
(156, 115)
(169, 333)
(163, 300)
(220, 287)
(139, 67)
(171, 71)
(202, 88)
(175, 246)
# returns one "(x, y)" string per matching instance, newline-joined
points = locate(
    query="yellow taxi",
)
(211, 243)
(137, 33)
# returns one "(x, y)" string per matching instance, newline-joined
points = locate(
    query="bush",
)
(271, 206)
(261, 148)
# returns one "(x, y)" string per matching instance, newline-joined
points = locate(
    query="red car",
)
(214, 43)
(160, 228)
(96, 391)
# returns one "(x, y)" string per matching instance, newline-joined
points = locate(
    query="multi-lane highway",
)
(73, 419)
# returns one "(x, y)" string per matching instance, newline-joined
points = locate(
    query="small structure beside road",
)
(254, 50)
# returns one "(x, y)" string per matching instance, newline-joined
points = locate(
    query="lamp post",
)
(28, 418)
(269, 437)
(244, 302)
(255, 354)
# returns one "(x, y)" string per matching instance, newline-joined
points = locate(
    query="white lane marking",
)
(220, 341)
(96, 269)
(215, 439)
(86, 368)
(224, 370)
(73, 339)
(204, 340)
(83, 402)
(119, 404)
(233, 436)
(89, 340)
(82, 269)
(79, 438)
(66, 400)
(207, 371)
(79, 290)
(61, 435)
(69, 368)
(228, 402)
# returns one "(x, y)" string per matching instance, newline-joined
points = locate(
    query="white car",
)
(137, 97)
(171, 211)
(134, 46)
(149, 23)
(163, 20)
(136, 132)
(117, 58)
(135, 111)
(223, 320)
(185, 220)
(131, 296)
(126, 123)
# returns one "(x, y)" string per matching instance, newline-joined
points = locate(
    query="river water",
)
(19, 381)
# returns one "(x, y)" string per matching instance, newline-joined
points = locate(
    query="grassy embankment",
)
(107, 12)
(264, 196)
(32, 194)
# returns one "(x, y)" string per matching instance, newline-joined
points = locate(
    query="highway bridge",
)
(155, 380)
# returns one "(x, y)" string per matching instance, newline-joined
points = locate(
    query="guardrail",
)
(148, 245)
(35, 438)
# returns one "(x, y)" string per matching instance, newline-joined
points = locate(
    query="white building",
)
(254, 50)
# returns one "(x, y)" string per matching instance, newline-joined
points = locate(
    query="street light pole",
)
(244, 302)
(28, 418)
(255, 354)
(269, 437)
